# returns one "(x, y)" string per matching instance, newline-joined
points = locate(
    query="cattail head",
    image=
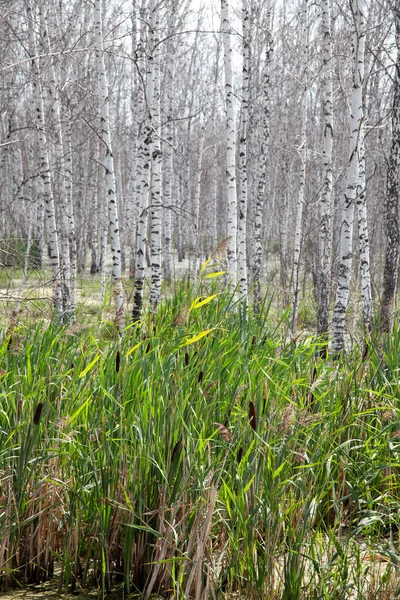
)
(38, 413)
(252, 416)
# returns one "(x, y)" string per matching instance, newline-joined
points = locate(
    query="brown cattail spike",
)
(252, 416)
(38, 413)
(117, 361)
(176, 449)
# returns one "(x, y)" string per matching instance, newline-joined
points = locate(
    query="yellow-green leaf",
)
(89, 367)
(199, 302)
(204, 265)
(195, 338)
(134, 348)
(216, 274)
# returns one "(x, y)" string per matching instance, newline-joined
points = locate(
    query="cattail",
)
(186, 358)
(148, 348)
(366, 351)
(200, 377)
(239, 455)
(252, 416)
(176, 449)
(224, 432)
(117, 361)
(38, 413)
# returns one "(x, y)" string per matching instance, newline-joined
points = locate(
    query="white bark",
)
(168, 181)
(262, 175)
(108, 164)
(230, 149)
(136, 106)
(303, 163)
(144, 165)
(346, 238)
(197, 195)
(49, 210)
(390, 275)
(63, 159)
(244, 115)
(325, 236)
(365, 270)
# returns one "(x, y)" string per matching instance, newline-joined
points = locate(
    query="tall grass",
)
(204, 454)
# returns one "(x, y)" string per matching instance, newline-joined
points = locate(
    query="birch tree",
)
(64, 204)
(262, 172)
(168, 153)
(390, 273)
(303, 163)
(156, 170)
(230, 148)
(145, 165)
(49, 209)
(108, 164)
(346, 236)
(325, 235)
(363, 238)
(244, 117)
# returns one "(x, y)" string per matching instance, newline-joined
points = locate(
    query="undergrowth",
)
(202, 455)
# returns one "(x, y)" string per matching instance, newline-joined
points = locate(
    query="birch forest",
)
(199, 254)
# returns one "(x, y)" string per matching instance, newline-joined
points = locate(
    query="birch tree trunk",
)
(230, 149)
(168, 185)
(325, 233)
(49, 210)
(144, 171)
(302, 183)
(108, 164)
(365, 270)
(65, 224)
(244, 115)
(169, 200)
(197, 194)
(156, 173)
(390, 274)
(346, 236)
(262, 181)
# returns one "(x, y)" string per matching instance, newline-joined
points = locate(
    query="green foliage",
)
(179, 463)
